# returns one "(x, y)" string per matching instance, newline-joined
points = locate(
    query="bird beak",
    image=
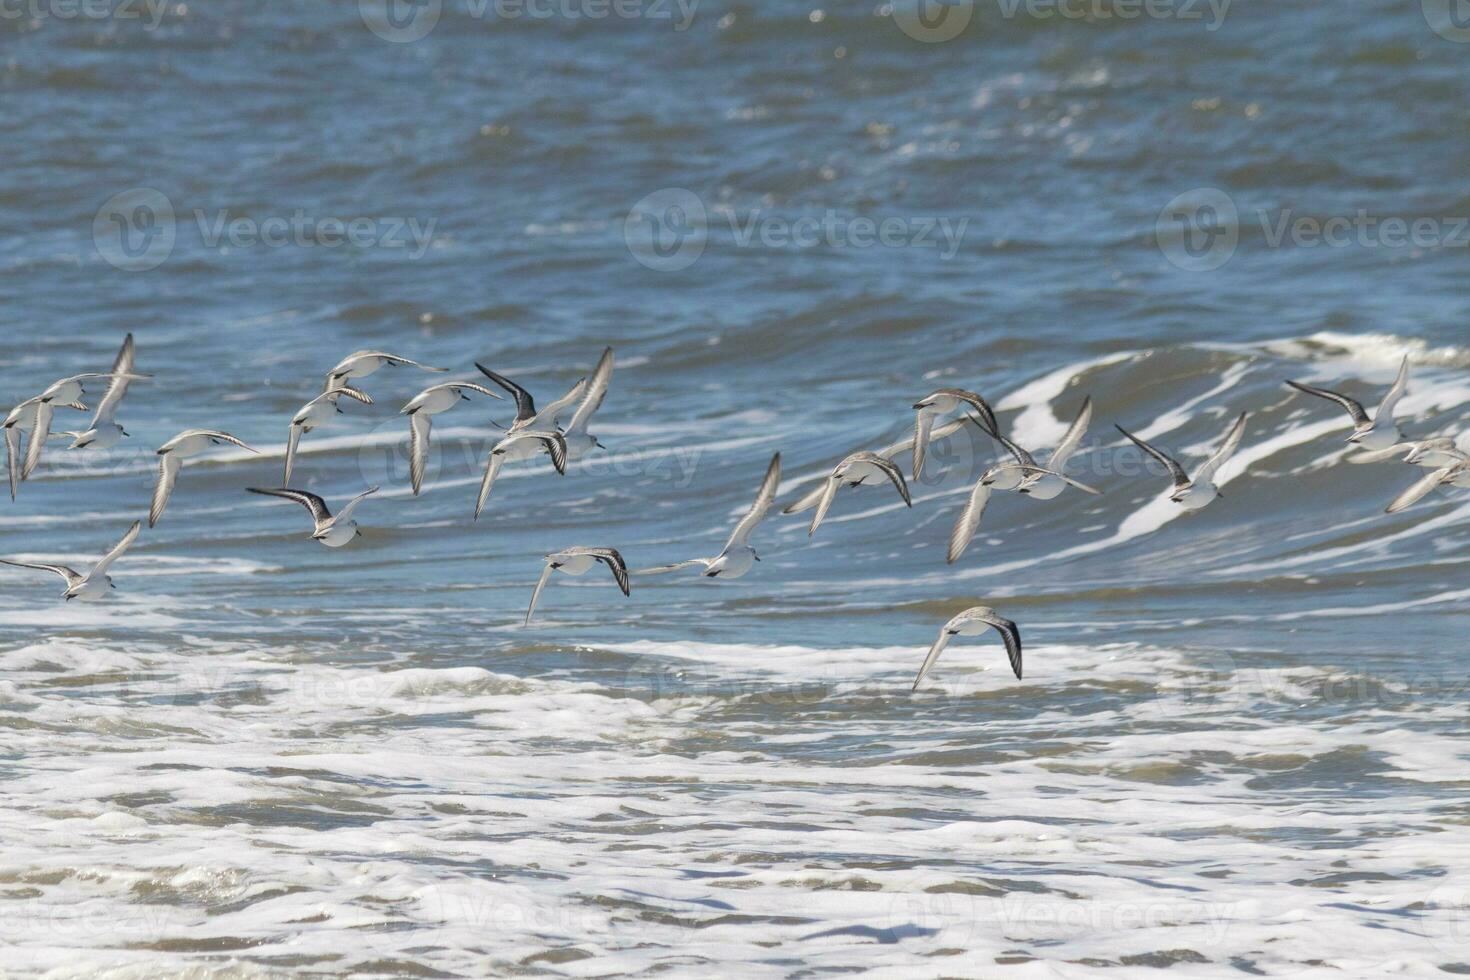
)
(126, 434)
(598, 444)
(755, 556)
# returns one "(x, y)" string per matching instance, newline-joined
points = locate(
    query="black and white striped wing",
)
(1181, 478)
(525, 404)
(314, 505)
(69, 575)
(1354, 408)
(168, 472)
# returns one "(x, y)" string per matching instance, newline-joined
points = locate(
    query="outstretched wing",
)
(1181, 478)
(923, 424)
(117, 552)
(549, 416)
(217, 436)
(492, 469)
(764, 497)
(1021, 456)
(969, 521)
(1012, 637)
(122, 371)
(940, 643)
(1421, 488)
(536, 595)
(895, 475)
(1395, 394)
(12, 458)
(665, 569)
(525, 404)
(828, 492)
(1354, 408)
(39, 435)
(337, 391)
(596, 392)
(419, 426)
(69, 575)
(1206, 473)
(397, 361)
(346, 513)
(613, 560)
(314, 505)
(168, 472)
(293, 440)
(1059, 456)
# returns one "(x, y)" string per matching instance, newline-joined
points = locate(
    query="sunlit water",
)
(1239, 745)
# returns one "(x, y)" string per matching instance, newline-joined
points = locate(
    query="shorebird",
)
(942, 402)
(22, 419)
(1046, 486)
(738, 556)
(1455, 475)
(421, 410)
(366, 362)
(527, 416)
(577, 561)
(334, 532)
(171, 456)
(897, 449)
(314, 414)
(1434, 453)
(105, 432)
(1379, 432)
(1195, 494)
(856, 470)
(580, 442)
(973, 622)
(95, 584)
(520, 445)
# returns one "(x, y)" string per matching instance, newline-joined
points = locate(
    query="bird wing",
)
(225, 437)
(293, 439)
(168, 472)
(1421, 488)
(12, 458)
(536, 595)
(1391, 400)
(117, 552)
(1181, 478)
(940, 643)
(39, 434)
(420, 424)
(492, 469)
(764, 497)
(1012, 637)
(1354, 408)
(828, 492)
(339, 390)
(596, 392)
(969, 521)
(982, 406)
(315, 505)
(1035, 471)
(396, 361)
(122, 376)
(351, 505)
(555, 443)
(1206, 473)
(894, 474)
(548, 417)
(70, 575)
(525, 404)
(665, 569)
(923, 424)
(1059, 456)
(1021, 456)
(613, 560)
(470, 386)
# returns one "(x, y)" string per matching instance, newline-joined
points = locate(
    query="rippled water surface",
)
(1239, 747)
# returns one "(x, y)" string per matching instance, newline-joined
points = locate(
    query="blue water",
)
(1239, 742)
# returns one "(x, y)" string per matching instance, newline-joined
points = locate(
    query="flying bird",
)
(171, 456)
(96, 583)
(22, 419)
(334, 532)
(738, 557)
(313, 415)
(897, 449)
(578, 561)
(1455, 475)
(421, 410)
(521, 444)
(366, 362)
(104, 432)
(973, 622)
(861, 468)
(1378, 432)
(943, 402)
(1195, 494)
(548, 418)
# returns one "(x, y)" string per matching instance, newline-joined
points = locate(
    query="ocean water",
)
(1240, 745)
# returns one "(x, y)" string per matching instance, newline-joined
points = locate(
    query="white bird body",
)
(334, 532)
(579, 561)
(1379, 432)
(171, 456)
(420, 411)
(973, 622)
(363, 363)
(943, 402)
(1196, 493)
(580, 442)
(104, 432)
(521, 444)
(95, 584)
(738, 557)
(859, 469)
(23, 418)
(313, 415)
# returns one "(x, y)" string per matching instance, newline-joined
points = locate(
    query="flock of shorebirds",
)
(536, 431)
